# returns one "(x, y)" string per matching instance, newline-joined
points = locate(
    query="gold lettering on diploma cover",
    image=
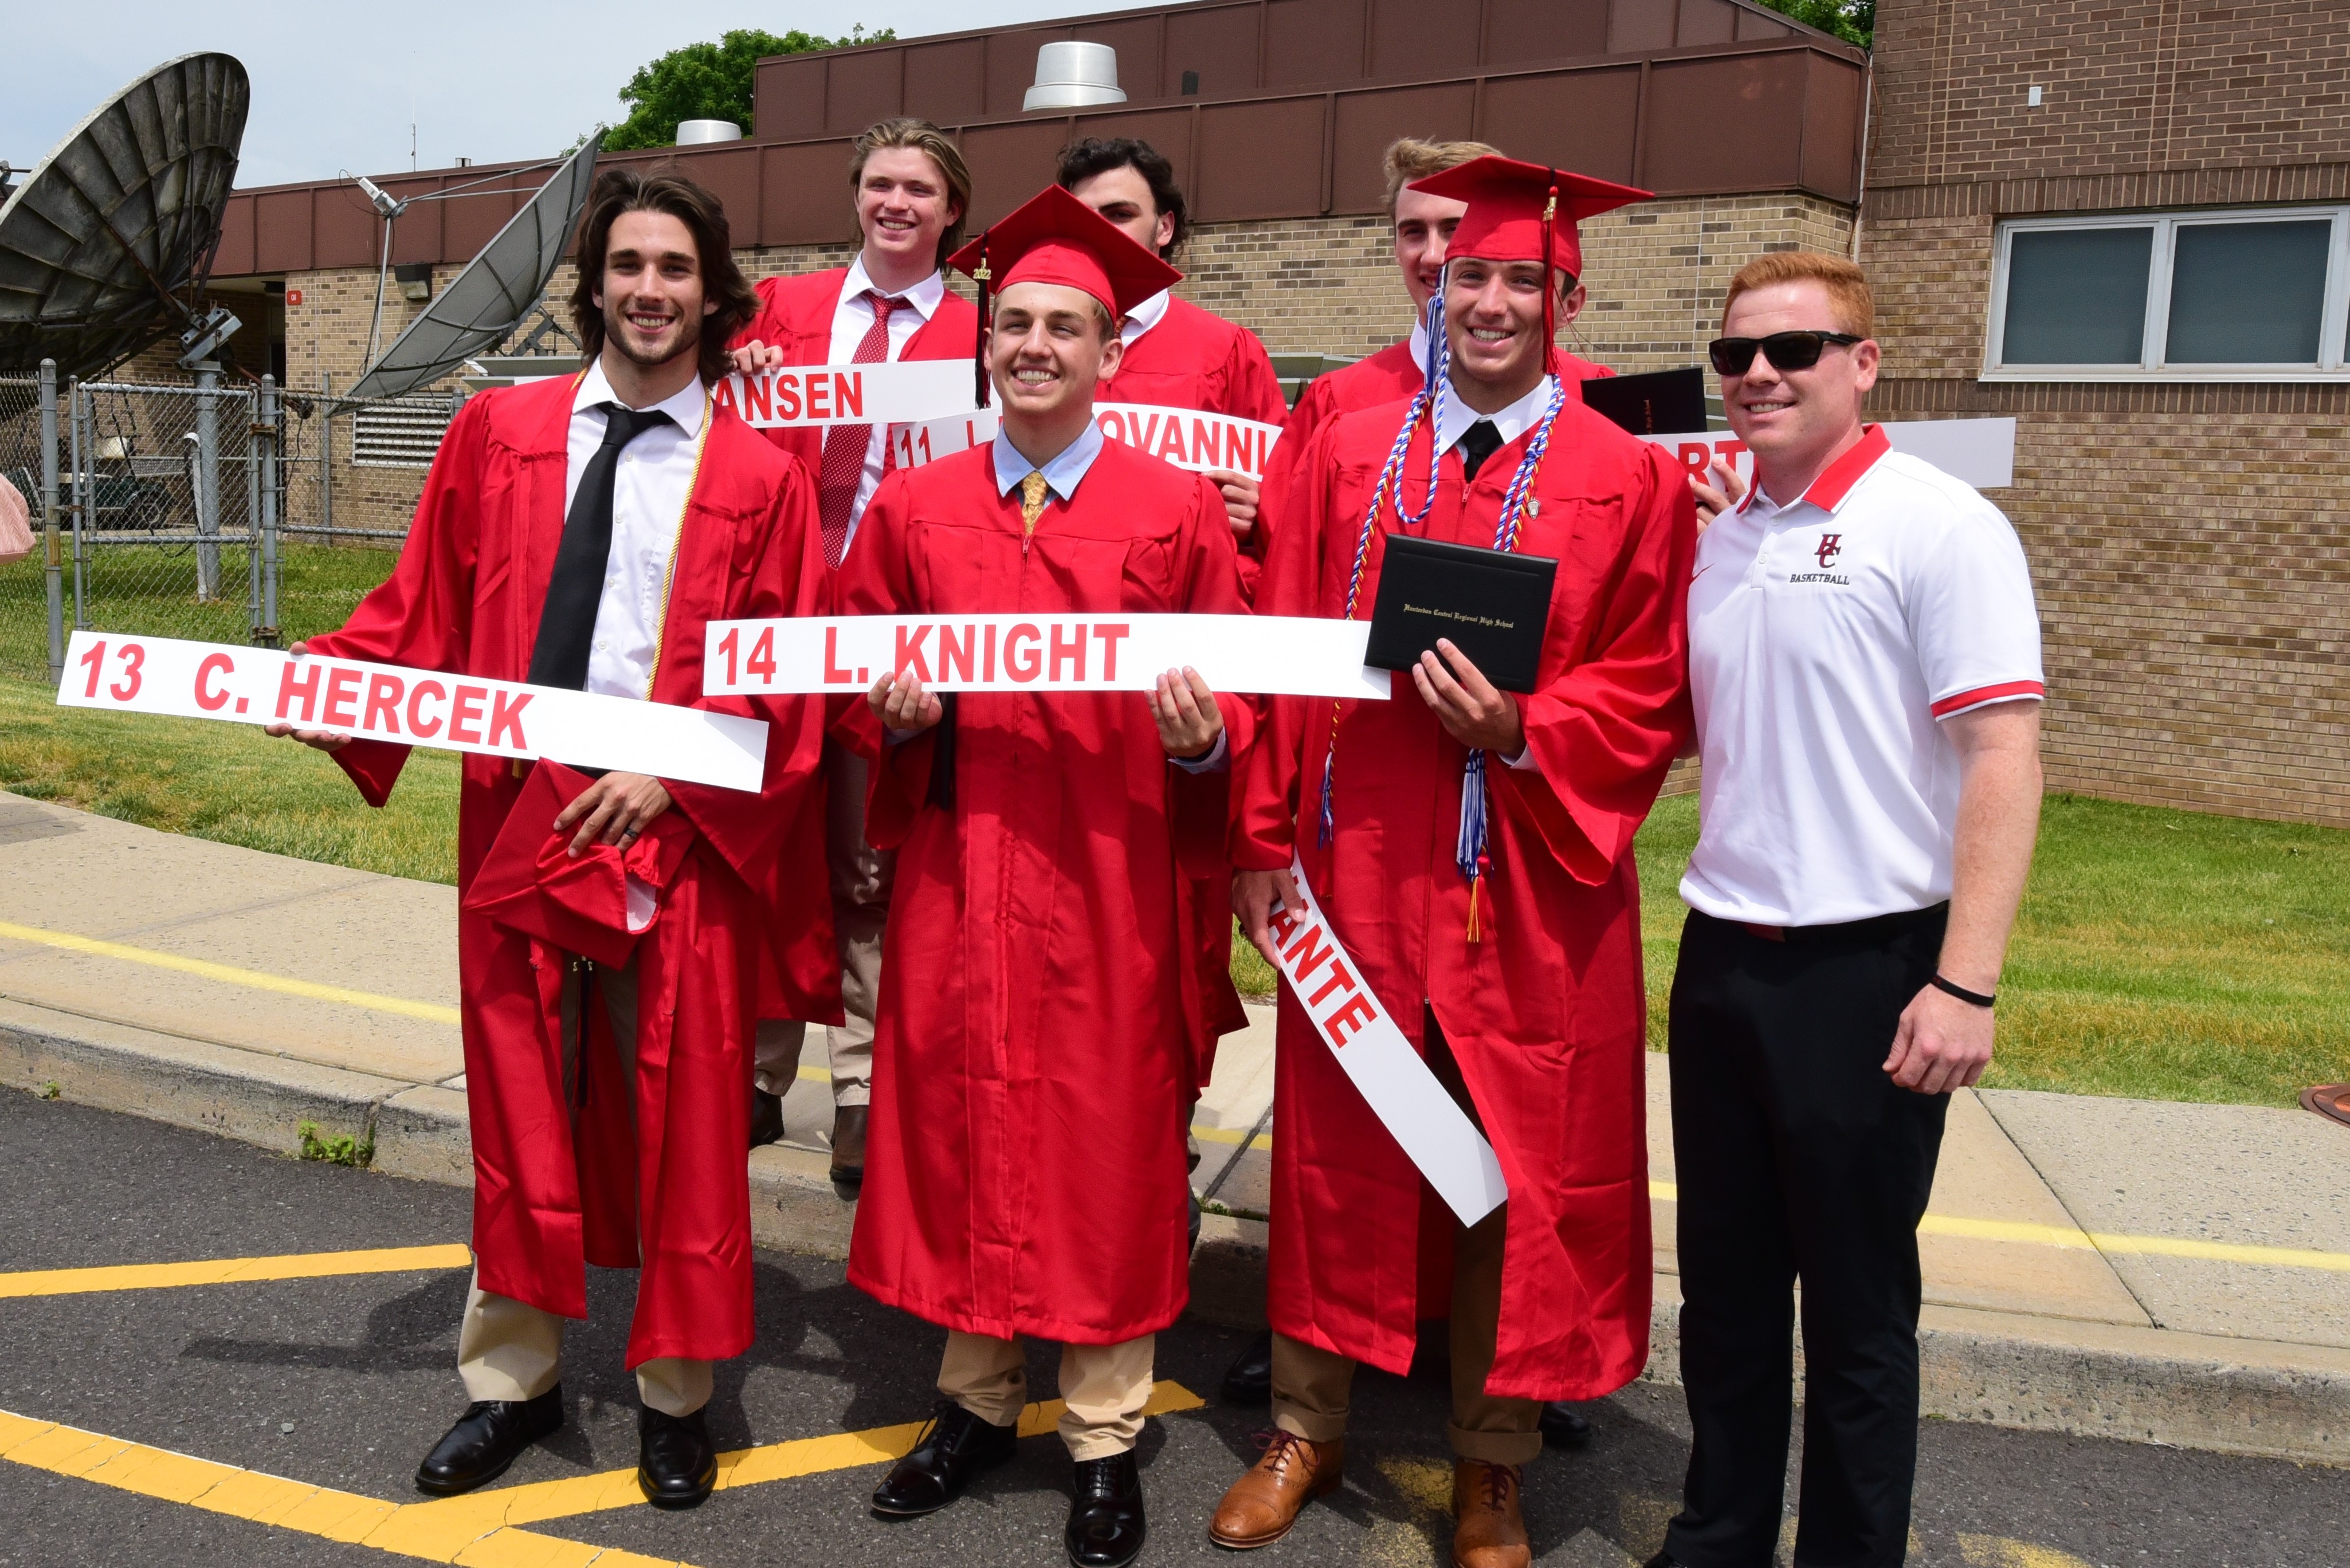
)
(1465, 619)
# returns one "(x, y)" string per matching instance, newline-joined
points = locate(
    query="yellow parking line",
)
(285, 1504)
(285, 985)
(2107, 1241)
(233, 1271)
(539, 1501)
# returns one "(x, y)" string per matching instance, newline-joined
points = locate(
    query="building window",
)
(2254, 294)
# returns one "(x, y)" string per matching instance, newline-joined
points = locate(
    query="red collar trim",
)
(1836, 481)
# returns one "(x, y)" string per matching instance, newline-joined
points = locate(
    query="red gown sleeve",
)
(876, 578)
(1604, 731)
(1250, 388)
(1283, 470)
(786, 577)
(1265, 816)
(422, 615)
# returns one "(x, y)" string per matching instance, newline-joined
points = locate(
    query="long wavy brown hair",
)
(661, 189)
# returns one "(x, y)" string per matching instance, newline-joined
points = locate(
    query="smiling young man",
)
(1864, 656)
(910, 191)
(1041, 1021)
(582, 533)
(1473, 850)
(1177, 355)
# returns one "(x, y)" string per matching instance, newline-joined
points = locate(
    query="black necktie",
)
(1480, 442)
(566, 625)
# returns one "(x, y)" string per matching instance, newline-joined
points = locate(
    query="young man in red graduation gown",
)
(1040, 1022)
(582, 533)
(1177, 355)
(890, 303)
(1477, 862)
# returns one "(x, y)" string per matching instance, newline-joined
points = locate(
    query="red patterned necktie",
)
(844, 446)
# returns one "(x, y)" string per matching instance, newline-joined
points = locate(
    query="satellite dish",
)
(117, 222)
(485, 303)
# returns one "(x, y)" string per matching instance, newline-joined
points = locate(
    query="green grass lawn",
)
(2161, 954)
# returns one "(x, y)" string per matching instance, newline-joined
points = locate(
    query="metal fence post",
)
(207, 481)
(55, 570)
(252, 406)
(79, 414)
(326, 456)
(265, 432)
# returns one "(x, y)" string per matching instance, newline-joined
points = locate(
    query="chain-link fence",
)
(221, 512)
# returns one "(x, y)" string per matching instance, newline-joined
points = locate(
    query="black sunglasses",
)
(1785, 350)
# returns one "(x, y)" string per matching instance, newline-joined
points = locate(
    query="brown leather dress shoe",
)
(1263, 1504)
(848, 1146)
(1489, 1531)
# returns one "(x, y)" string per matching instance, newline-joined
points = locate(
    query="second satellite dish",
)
(485, 303)
(117, 222)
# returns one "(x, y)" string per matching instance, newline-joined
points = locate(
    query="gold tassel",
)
(1475, 935)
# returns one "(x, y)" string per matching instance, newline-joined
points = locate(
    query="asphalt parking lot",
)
(265, 1419)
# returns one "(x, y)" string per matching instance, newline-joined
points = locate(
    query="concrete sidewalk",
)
(2156, 1271)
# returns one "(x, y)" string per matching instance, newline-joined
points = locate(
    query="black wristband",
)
(1974, 997)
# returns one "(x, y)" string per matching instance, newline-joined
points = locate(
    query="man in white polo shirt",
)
(1864, 657)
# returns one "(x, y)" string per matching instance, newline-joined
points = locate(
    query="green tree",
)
(710, 81)
(1853, 21)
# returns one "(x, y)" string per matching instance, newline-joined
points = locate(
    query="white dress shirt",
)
(1143, 317)
(650, 489)
(851, 319)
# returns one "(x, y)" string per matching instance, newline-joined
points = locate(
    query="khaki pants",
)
(1104, 1387)
(1311, 1386)
(861, 876)
(508, 1349)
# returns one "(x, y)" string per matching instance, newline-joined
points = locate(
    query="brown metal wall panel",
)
(1311, 43)
(947, 83)
(733, 176)
(1367, 121)
(1259, 161)
(1730, 123)
(789, 102)
(344, 230)
(1640, 26)
(1832, 120)
(864, 87)
(1009, 163)
(1168, 130)
(233, 258)
(1220, 43)
(1414, 41)
(282, 230)
(1584, 121)
(1136, 39)
(1012, 66)
(421, 234)
(470, 221)
(1520, 32)
(804, 195)
(1753, 24)
(1707, 22)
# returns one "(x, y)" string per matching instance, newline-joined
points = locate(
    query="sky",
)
(491, 80)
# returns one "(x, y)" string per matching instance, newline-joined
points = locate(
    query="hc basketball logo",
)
(1831, 546)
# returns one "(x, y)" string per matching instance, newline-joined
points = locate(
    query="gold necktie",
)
(1031, 502)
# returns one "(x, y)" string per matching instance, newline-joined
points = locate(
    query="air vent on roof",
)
(1071, 75)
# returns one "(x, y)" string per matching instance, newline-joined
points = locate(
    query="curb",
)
(2004, 1369)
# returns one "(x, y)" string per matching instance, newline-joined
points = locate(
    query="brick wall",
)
(2190, 543)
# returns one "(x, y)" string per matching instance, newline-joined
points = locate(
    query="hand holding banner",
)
(1392, 1077)
(1293, 655)
(412, 707)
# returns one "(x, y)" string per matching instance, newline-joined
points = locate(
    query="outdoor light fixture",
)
(1071, 75)
(415, 281)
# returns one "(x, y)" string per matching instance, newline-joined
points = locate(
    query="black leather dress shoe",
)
(485, 1441)
(766, 1117)
(1565, 1427)
(1249, 1380)
(955, 1447)
(677, 1464)
(1106, 1526)
(849, 1147)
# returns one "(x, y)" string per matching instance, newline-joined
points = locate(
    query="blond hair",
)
(923, 136)
(1850, 302)
(1410, 157)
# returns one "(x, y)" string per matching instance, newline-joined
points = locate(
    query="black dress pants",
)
(1799, 1158)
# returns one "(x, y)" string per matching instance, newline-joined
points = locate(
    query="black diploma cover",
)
(1494, 606)
(1661, 402)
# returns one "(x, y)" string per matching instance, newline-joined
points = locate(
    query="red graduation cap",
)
(1524, 212)
(1055, 238)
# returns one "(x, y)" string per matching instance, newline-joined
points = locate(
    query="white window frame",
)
(2331, 366)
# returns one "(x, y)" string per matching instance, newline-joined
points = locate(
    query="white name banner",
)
(1981, 452)
(883, 393)
(1290, 656)
(414, 707)
(1433, 1132)
(1184, 437)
